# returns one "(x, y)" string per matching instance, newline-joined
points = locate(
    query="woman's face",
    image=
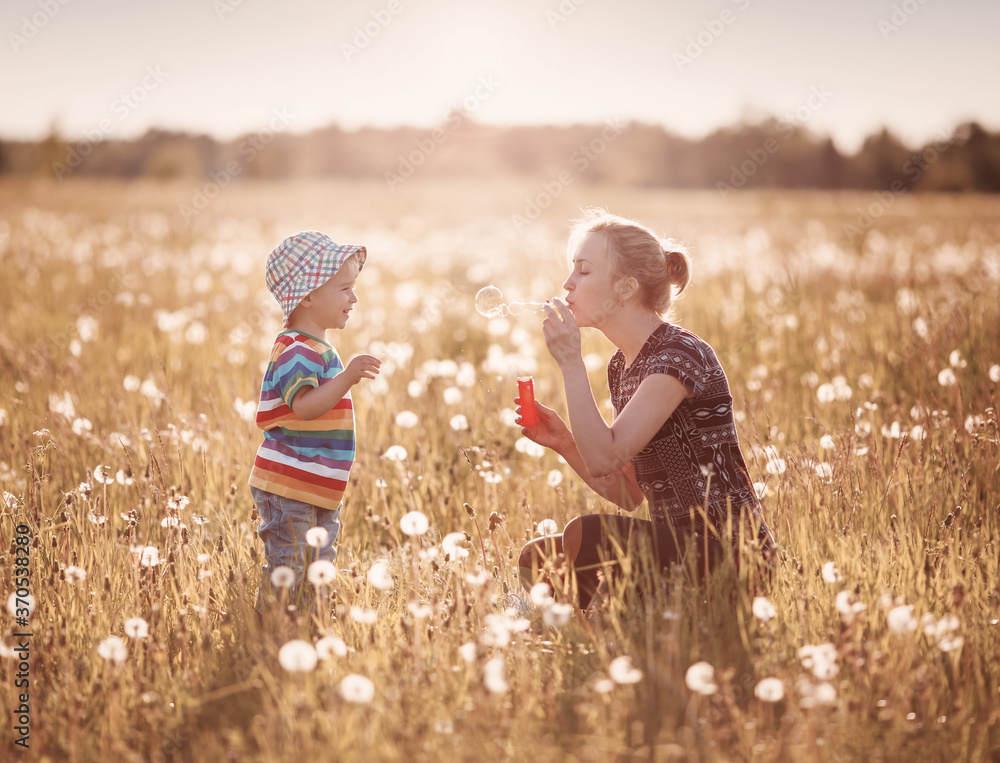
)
(589, 289)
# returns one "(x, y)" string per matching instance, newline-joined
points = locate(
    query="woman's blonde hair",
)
(661, 267)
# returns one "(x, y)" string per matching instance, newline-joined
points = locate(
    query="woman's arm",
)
(605, 449)
(619, 487)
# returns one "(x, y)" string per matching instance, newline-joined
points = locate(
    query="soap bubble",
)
(520, 308)
(489, 302)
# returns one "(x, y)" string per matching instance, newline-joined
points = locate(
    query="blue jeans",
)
(283, 526)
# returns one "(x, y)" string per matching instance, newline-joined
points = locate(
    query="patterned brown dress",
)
(697, 448)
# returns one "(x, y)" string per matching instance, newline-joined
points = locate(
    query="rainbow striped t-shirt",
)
(307, 461)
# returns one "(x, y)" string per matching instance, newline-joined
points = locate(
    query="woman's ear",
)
(626, 288)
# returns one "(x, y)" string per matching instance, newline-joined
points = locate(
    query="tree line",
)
(768, 154)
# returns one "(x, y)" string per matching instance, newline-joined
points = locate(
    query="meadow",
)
(862, 346)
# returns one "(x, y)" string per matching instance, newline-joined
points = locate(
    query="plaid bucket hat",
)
(304, 262)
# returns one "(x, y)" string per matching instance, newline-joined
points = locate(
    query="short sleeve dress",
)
(697, 448)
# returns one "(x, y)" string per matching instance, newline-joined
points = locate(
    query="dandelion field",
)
(865, 369)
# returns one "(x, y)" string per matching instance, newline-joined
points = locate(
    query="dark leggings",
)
(609, 537)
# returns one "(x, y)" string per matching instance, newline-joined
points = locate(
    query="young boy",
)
(300, 472)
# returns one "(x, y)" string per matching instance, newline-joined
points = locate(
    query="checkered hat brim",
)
(304, 262)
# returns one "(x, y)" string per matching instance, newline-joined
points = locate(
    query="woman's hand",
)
(562, 334)
(550, 431)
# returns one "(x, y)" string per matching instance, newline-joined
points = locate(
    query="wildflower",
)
(769, 690)
(122, 478)
(830, 573)
(363, 615)
(81, 425)
(901, 620)
(298, 656)
(942, 632)
(406, 419)
(815, 694)
(494, 677)
(451, 545)
(947, 378)
(827, 442)
(395, 453)
(136, 627)
(321, 572)
(955, 360)
(995, 373)
(848, 606)
(700, 678)
(452, 396)
(149, 556)
(380, 576)
(419, 610)
(556, 615)
(102, 475)
(414, 523)
(357, 689)
(113, 649)
(317, 537)
(823, 470)
(529, 447)
(499, 628)
(775, 464)
(541, 594)
(468, 652)
(893, 432)
(820, 659)
(131, 383)
(546, 527)
(170, 522)
(477, 578)
(459, 422)
(74, 574)
(555, 478)
(329, 647)
(282, 577)
(763, 609)
(760, 488)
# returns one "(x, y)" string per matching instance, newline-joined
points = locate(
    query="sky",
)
(116, 68)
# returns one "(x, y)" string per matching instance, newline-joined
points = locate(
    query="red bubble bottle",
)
(526, 391)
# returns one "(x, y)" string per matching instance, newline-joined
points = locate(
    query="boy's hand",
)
(362, 367)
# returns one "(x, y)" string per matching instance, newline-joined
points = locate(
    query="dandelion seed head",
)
(406, 419)
(769, 690)
(321, 572)
(557, 614)
(419, 610)
(363, 615)
(329, 647)
(946, 378)
(467, 652)
(113, 649)
(901, 620)
(554, 478)
(357, 689)
(995, 373)
(414, 523)
(453, 545)
(317, 537)
(74, 574)
(622, 671)
(136, 628)
(763, 609)
(459, 422)
(541, 594)
(830, 573)
(494, 675)
(700, 678)
(395, 453)
(380, 575)
(546, 527)
(298, 656)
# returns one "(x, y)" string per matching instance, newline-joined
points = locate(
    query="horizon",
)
(220, 68)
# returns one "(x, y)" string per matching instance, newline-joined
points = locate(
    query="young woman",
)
(673, 441)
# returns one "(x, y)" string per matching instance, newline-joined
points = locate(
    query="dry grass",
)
(106, 287)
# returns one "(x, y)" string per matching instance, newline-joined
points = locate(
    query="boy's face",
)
(329, 306)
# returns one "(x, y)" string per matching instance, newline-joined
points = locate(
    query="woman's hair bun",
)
(678, 265)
